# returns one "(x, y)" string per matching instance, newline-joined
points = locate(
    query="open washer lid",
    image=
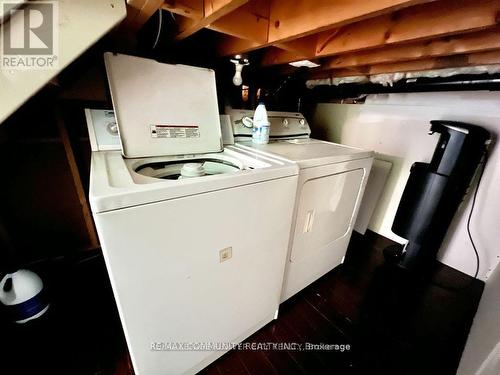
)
(163, 109)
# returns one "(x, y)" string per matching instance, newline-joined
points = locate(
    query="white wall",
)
(396, 126)
(482, 355)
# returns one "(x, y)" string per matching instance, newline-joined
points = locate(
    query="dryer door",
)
(326, 209)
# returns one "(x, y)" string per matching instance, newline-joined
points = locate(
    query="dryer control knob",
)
(302, 122)
(285, 122)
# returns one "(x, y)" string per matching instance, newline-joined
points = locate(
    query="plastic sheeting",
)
(388, 79)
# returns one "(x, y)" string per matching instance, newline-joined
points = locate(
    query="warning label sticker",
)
(175, 131)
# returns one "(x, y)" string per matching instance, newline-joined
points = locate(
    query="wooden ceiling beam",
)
(417, 23)
(293, 50)
(289, 21)
(303, 46)
(479, 41)
(296, 56)
(229, 46)
(456, 61)
(420, 22)
(213, 10)
(193, 9)
(250, 21)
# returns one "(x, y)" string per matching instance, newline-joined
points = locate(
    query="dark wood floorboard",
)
(394, 323)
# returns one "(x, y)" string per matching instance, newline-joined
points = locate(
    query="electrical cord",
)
(485, 159)
(463, 287)
(159, 28)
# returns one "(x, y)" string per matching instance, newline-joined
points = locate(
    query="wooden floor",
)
(392, 322)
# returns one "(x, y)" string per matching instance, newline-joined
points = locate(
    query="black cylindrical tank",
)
(434, 190)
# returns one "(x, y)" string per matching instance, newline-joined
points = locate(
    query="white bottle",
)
(261, 125)
(23, 295)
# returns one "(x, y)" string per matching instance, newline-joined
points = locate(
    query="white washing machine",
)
(332, 180)
(196, 263)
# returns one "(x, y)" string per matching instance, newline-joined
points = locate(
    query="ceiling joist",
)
(292, 20)
(479, 41)
(250, 22)
(456, 61)
(346, 37)
(420, 22)
(212, 11)
(187, 8)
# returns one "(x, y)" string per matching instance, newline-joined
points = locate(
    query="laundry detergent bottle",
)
(261, 125)
(22, 294)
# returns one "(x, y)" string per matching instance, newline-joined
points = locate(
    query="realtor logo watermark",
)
(30, 37)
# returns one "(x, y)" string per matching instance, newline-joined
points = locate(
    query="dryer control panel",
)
(284, 125)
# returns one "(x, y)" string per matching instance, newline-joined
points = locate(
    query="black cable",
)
(485, 159)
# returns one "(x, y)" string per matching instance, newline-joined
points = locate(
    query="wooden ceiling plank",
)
(420, 22)
(250, 21)
(213, 10)
(291, 54)
(303, 47)
(229, 46)
(193, 9)
(416, 23)
(300, 49)
(213, 6)
(455, 61)
(458, 44)
(305, 17)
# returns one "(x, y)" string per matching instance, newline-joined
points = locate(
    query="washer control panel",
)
(103, 130)
(284, 125)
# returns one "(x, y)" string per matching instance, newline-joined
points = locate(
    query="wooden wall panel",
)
(40, 205)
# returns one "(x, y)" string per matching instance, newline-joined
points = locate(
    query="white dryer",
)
(332, 180)
(195, 263)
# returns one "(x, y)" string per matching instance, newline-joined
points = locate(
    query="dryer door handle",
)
(309, 221)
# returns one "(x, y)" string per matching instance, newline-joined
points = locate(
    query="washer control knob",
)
(302, 122)
(112, 128)
(285, 122)
(247, 122)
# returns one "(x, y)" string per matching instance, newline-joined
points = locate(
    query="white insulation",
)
(389, 78)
